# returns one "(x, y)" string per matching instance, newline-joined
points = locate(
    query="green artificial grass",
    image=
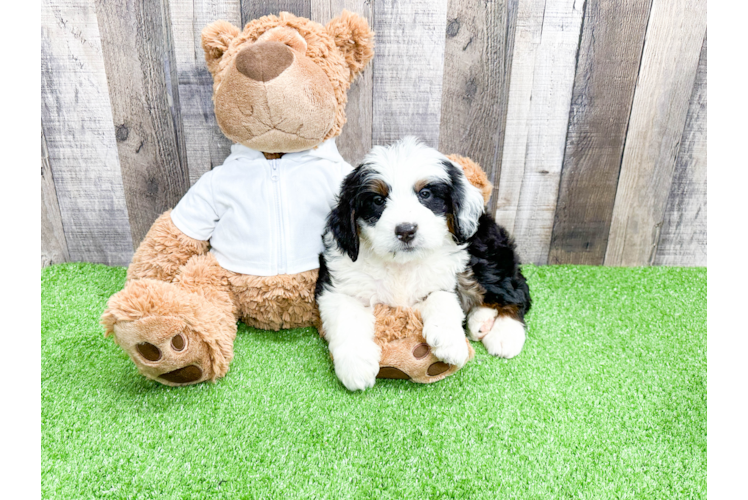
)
(607, 400)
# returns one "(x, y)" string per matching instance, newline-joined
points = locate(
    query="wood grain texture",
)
(511, 31)
(476, 81)
(252, 9)
(539, 101)
(54, 246)
(671, 54)
(408, 69)
(355, 140)
(77, 123)
(683, 236)
(205, 144)
(145, 108)
(607, 67)
(526, 41)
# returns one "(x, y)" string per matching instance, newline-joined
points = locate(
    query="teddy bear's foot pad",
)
(392, 372)
(437, 369)
(412, 359)
(153, 353)
(183, 375)
(164, 350)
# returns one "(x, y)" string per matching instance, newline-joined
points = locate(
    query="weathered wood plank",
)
(408, 69)
(145, 108)
(475, 85)
(54, 246)
(607, 67)
(658, 115)
(252, 9)
(77, 123)
(683, 235)
(205, 144)
(539, 100)
(526, 41)
(355, 140)
(511, 31)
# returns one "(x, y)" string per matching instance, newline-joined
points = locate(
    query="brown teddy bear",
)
(243, 243)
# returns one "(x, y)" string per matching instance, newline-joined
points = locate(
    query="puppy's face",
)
(403, 202)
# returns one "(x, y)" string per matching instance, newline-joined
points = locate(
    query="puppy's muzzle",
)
(406, 232)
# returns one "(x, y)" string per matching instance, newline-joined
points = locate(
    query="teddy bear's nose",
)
(263, 61)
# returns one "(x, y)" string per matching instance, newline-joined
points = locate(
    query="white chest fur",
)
(374, 280)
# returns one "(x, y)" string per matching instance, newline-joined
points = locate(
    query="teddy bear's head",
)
(280, 85)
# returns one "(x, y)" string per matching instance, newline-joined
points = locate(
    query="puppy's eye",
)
(378, 201)
(424, 193)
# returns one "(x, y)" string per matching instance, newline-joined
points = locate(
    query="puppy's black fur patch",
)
(361, 197)
(324, 280)
(495, 266)
(457, 195)
(440, 197)
(342, 219)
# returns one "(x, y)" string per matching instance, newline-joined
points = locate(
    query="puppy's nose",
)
(406, 232)
(264, 61)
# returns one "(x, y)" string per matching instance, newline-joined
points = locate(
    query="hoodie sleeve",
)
(195, 214)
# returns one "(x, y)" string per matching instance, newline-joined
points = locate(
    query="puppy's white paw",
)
(447, 344)
(480, 321)
(454, 354)
(506, 338)
(357, 365)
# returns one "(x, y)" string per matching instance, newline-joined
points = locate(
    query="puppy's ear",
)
(467, 204)
(342, 219)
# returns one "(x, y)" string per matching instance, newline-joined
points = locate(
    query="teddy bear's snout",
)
(264, 61)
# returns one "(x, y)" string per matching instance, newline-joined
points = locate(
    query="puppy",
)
(410, 230)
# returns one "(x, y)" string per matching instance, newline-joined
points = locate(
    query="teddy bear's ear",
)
(475, 175)
(216, 38)
(354, 39)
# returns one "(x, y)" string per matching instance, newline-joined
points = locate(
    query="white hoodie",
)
(264, 217)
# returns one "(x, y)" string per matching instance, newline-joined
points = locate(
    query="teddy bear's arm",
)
(163, 251)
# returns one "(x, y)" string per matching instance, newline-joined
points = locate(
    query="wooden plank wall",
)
(589, 116)
(607, 67)
(78, 127)
(54, 245)
(673, 43)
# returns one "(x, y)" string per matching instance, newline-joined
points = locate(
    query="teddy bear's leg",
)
(163, 251)
(276, 302)
(405, 353)
(177, 333)
(501, 329)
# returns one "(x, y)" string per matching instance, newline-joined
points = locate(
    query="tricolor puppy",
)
(410, 230)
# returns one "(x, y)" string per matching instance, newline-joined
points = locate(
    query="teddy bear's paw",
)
(506, 337)
(480, 321)
(411, 358)
(165, 350)
(356, 366)
(420, 363)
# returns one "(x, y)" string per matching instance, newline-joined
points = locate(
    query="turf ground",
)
(607, 400)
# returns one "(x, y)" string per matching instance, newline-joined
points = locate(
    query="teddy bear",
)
(243, 243)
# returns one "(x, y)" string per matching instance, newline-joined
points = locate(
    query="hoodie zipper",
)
(275, 176)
